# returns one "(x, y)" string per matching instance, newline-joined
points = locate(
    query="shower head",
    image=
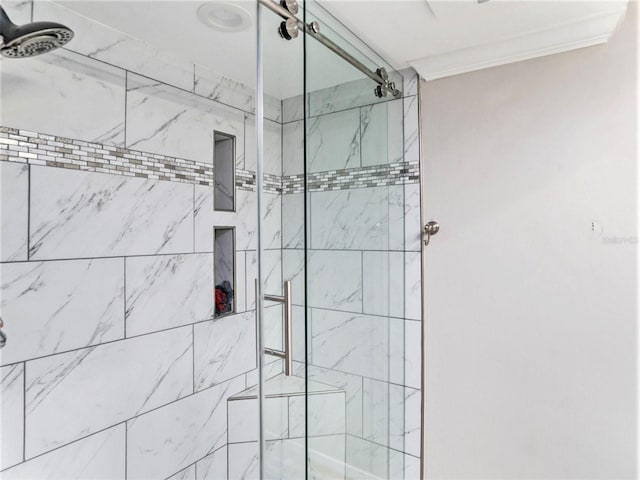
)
(31, 39)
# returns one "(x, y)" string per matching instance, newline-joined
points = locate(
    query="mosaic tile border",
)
(22, 146)
(400, 173)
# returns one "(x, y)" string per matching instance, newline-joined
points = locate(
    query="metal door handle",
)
(287, 354)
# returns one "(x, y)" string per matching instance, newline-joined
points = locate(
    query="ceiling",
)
(438, 38)
(446, 37)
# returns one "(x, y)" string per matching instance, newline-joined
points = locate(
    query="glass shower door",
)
(355, 174)
(343, 410)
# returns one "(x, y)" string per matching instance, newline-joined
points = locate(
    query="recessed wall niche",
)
(224, 168)
(224, 270)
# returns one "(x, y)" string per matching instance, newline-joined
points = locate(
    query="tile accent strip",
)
(22, 146)
(362, 177)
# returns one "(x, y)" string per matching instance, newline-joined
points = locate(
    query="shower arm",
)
(380, 76)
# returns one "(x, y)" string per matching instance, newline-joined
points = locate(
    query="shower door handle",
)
(287, 354)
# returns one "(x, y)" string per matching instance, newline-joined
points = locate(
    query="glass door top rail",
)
(384, 85)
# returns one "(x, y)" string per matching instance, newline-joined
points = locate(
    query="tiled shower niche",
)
(224, 169)
(224, 268)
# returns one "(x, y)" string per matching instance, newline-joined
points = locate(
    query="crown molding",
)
(584, 32)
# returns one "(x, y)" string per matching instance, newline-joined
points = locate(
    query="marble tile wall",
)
(109, 268)
(115, 366)
(365, 264)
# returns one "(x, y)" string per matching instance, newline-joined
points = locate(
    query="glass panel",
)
(355, 262)
(282, 255)
(112, 243)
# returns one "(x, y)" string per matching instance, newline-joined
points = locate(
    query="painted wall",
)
(531, 170)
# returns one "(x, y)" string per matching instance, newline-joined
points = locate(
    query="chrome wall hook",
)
(431, 228)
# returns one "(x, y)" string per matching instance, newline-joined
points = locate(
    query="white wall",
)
(530, 316)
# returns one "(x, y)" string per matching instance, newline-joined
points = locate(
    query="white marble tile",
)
(403, 466)
(73, 394)
(230, 92)
(246, 220)
(272, 368)
(241, 282)
(51, 307)
(376, 411)
(337, 279)
(405, 361)
(213, 466)
(410, 82)
(351, 343)
(293, 220)
(220, 88)
(14, 211)
(12, 414)
(366, 460)
(382, 133)
(171, 438)
(272, 272)
(352, 385)
(243, 419)
(412, 354)
(292, 109)
(412, 222)
(168, 291)
(293, 263)
(273, 325)
(404, 419)
(271, 143)
(99, 456)
(205, 218)
(391, 416)
(405, 287)
(18, 10)
(350, 219)
(405, 232)
(284, 459)
(346, 95)
(333, 141)
(84, 214)
(411, 137)
(413, 285)
(293, 148)
(243, 461)
(323, 414)
(224, 348)
(74, 96)
(168, 121)
(326, 457)
(99, 41)
(288, 458)
(251, 264)
(188, 473)
(376, 275)
(272, 221)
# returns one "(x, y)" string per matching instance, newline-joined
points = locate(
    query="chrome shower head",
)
(31, 39)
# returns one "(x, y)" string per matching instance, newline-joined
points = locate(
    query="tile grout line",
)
(124, 299)
(24, 412)
(28, 212)
(125, 421)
